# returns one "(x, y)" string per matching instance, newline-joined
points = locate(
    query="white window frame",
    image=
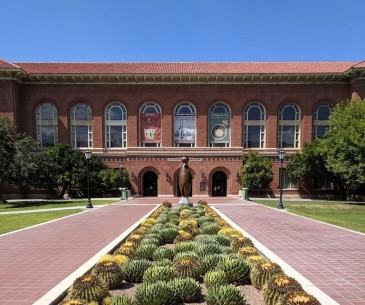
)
(316, 121)
(75, 123)
(143, 109)
(261, 123)
(109, 123)
(285, 123)
(40, 122)
(210, 111)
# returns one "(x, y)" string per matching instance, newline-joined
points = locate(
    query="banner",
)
(219, 127)
(150, 127)
(184, 127)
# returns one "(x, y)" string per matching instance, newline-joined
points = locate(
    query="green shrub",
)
(159, 293)
(224, 295)
(163, 253)
(158, 273)
(146, 251)
(134, 269)
(236, 270)
(187, 289)
(184, 246)
(212, 278)
(122, 300)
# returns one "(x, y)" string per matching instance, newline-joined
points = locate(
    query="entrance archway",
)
(150, 184)
(219, 184)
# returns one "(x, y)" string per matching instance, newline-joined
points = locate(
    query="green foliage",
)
(88, 287)
(145, 251)
(187, 289)
(205, 249)
(240, 242)
(112, 178)
(211, 229)
(215, 277)
(262, 272)
(158, 273)
(184, 246)
(122, 300)
(110, 273)
(169, 234)
(236, 270)
(225, 294)
(159, 293)
(187, 267)
(259, 173)
(209, 262)
(163, 253)
(134, 269)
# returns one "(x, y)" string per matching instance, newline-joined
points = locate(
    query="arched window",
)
(219, 125)
(254, 126)
(184, 125)
(47, 124)
(150, 125)
(116, 125)
(289, 123)
(321, 116)
(81, 133)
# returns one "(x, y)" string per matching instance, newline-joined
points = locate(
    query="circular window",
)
(219, 131)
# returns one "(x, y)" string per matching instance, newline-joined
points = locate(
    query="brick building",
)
(145, 116)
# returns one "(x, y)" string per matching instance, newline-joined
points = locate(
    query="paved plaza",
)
(37, 262)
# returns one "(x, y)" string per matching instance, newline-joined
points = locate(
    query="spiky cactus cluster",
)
(122, 300)
(185, 254)
(133, 270)
(262, 272)
(209, 262)
(240, 242)
(159, 293)
(167, 204)
(212, 278)
(225, 294)
(88, 287)
(74, 302)
(245, 252)
(146, 251)
(229, 232)
(185, 246)
(276, 287)
(211, 229)
(236, 270)
(169, 234)
(205, 249)
(299, 298)
(183, 236)
(110, 273)
(163, 253)
(187, 289)
(187, 267)
(252, 260)
(158, 273)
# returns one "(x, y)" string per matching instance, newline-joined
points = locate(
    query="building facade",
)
(146, 116)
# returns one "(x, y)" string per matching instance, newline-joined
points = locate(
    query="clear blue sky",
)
(182, 30)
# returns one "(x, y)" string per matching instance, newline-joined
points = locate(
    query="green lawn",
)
(12, 222)
(49, 204)
(344, 214)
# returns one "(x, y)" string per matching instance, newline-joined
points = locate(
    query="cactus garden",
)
(186, 255)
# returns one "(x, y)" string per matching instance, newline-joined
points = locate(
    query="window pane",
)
(116, 136)
(81, 113)
(323, 113)
(253, 136)
(47, 136)
(82, 136)
(321, 130)
(47, 113)
(288, 136)
(116, 113)
(254, 113)
(289, 113)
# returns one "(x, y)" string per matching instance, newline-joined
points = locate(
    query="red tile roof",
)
(7, 65)
(190, 68)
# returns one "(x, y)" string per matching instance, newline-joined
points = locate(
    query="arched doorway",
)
(219, 184)
(150, 184)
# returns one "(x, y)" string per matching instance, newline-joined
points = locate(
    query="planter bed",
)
(186, 256)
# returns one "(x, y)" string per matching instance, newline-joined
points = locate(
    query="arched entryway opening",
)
(150, 184)
(219, 184)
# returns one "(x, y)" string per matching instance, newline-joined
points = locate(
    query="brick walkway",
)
(35, 260)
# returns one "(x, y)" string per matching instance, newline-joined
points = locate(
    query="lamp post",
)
(247, 165)
(281, 153)
(88, 155)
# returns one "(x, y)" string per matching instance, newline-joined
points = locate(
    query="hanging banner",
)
(184, 127)
(150, 127)
(219, 127)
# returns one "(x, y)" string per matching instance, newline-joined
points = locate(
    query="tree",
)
(259, 173)
(344, 144)
(115, 178)
(64, 167)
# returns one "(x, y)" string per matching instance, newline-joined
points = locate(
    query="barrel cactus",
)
(158, 273)
(187, 267)
(299, 298)
(155, 235)
(88, 287)
(205, 239)
(212, 278)
(211, 229)
(109, 272)
(252, 260)
(74, 302)
(277, 287)
(204, 219)
(224, 294)
(163, 253)
(159, 293)
(240, 242)
(262, 272)
(245, 252)
(236, 269)
(192, 231)
(229, 232)
(169, 234)
(188, 223)
(122, 300)
(126, 251)
(134, 269)
(185, 246)
(186, 289)
(135, 239)
(222, 240)
(183, 236)
(167, 204)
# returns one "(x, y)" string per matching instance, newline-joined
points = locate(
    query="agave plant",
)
(212, 278)
(211, 229)
(277, 287)
(224, 294)
(158, 273)
(110, 273)
(187, 267)
(88, 287)
(186, 254)
(185, 246)
(134, 269)
(163, 253)
(169, 234)
(145, 251)
(299, 298)
(236, 270)
(209, 262)
(159, 293)
(187, 289)
(204, 219)
(262, 272)
(122, 300)
(162, 262)
(222, 240)
(205, 249)
(183, 236)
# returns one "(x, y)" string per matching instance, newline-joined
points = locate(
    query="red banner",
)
(150, 127)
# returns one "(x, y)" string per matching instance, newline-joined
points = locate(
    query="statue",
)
(185, 181)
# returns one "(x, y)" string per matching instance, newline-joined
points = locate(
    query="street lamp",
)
(247, 165)
(281, 153)
(88, 155)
